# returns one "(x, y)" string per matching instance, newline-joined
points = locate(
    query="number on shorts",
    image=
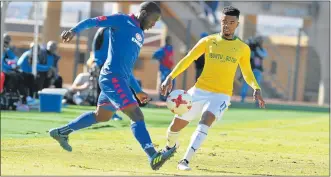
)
(223, 106)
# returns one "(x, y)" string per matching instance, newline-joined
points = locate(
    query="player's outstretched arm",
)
(101, 21)
(249, 77)
(183, 64)
(194, 54)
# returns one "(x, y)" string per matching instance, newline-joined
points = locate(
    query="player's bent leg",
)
(180, 122)
(61, 134)
(175, 127)
(139, 130)
(197, 139)
(103, 115)
(208, 118)
(85, 120)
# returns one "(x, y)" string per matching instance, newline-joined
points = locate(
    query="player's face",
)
(150, 20)
(229, 24)
(6, 42)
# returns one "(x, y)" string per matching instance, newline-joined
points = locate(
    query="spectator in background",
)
(165, 56)
(53, 77)
(79, 90)
(210, 8)
(200, 62)
(9, 59)
(11, 79)
(44, 63)
(258, 54)
(2, 81)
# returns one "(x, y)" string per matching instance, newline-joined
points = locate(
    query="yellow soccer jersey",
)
(222, 57)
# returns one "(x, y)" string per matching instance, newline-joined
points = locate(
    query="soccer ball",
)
(179, 102)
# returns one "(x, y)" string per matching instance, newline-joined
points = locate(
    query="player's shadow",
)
(127, 171)
(217, 171)
(230, 172)
(102, 126)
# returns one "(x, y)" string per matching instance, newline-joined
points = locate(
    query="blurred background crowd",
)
(289, 65)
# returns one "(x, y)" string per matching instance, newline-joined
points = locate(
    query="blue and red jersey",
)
(125, 41)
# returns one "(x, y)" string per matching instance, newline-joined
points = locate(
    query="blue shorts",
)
(115, 93)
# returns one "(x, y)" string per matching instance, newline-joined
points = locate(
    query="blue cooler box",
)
(50, 102)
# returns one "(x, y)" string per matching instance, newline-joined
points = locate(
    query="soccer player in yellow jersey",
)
(212, 91)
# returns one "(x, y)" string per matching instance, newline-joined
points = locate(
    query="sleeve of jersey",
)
(5, 66)
(134, 84)
(47, 66)
(95, 38)
(246, 69)
(101, 21)
(261, 52)
(11, 55)
(194, 54)
(78, 80)
(23, 61)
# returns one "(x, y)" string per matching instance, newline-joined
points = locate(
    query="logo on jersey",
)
(222, 58)
(233, 50)
(214, 42)
(137, 39)
(102, 18)
(138, 36)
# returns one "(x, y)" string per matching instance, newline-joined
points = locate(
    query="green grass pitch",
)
(245, 142)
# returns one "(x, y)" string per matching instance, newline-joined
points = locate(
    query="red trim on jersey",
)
(134, 19)
(102, 18)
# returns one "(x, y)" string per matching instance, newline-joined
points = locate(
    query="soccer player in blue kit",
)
(125, 42)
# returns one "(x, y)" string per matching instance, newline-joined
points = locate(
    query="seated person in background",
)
(13, 86)
(2, 81)
(79, 90)
(9, 59)
(53, 77)
(44, 64)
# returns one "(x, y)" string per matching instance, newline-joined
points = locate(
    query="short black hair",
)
(230, 10)
(150, 7)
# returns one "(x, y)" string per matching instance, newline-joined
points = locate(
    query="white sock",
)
(197, 138)
(172, 138)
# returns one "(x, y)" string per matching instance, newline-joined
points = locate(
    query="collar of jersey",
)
(133, 18)
(235, 37)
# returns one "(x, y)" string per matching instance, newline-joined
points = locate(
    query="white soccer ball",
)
(179, 102)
